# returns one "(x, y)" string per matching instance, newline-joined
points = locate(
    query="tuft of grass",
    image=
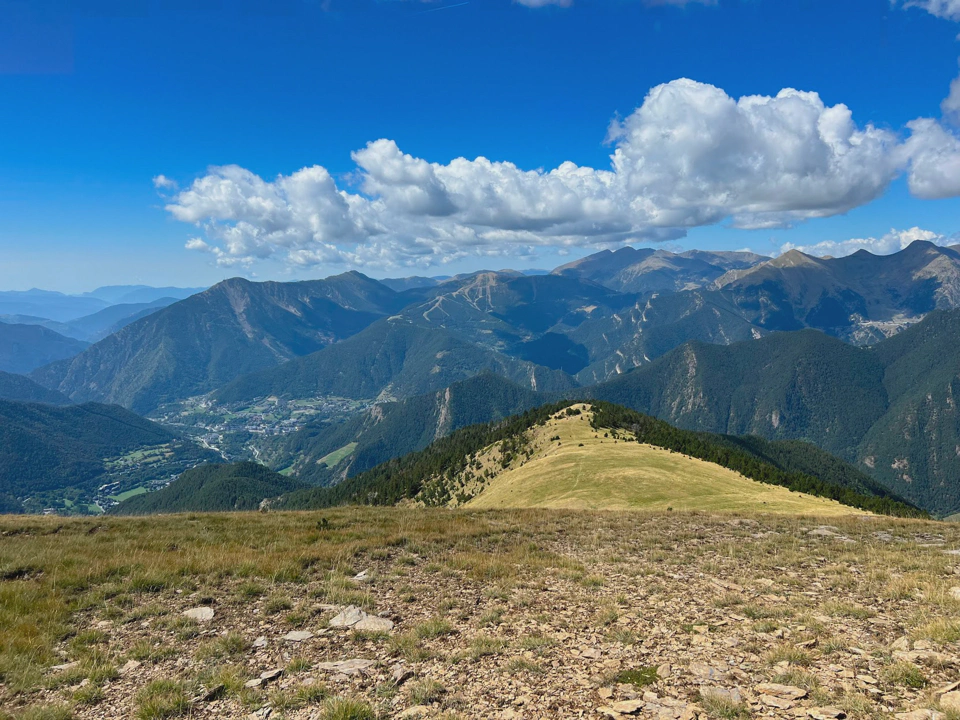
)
(146, 651)
(798, 678)
(89, 695)
(251, 590)
(522, 665)
(494, 617)
(276, 604)
(409, 646)
(856, 705)
(607, 616)
(288, 699)
(536, 643)
(226, 646)
(426, 692)
(298, 664)
(848, 610)
(231, 677)
(484, 646)
(788, 653)
(43, 712)
(624, 636)
(433, 628)
(311, 694)
(639, 677)
(347, 709)
(904, 674)
(162, 699)
(724, 708)
(940, 631)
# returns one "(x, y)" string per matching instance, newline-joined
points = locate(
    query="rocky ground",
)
(533, 615)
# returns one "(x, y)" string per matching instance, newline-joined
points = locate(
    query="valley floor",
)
(500, 614)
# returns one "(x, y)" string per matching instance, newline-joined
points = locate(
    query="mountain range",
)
(60, 307)
(201, 343)
(589, 320)
(852, 354)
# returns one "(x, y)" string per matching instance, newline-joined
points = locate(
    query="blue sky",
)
(97, 99)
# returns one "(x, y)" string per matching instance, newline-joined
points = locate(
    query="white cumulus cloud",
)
(162, 182)
(690, 155)
(694, 156)
(948, 9)
(893, 241)
(933, 152)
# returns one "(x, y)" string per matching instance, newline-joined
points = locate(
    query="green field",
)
(129, 494)
(584, 470)
(337, 455)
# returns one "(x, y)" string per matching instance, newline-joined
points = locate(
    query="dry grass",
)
(476, 582)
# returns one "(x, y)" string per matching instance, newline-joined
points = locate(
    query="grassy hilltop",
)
(575, 466)
(495, 614)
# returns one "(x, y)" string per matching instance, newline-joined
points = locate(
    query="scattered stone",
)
(788, 692)
(65, 666)
(950, 701)
(347, 667)
(705, 673)
(400, 674)
(200, 614)
(925, 657)
(271, 675)
(260, 642)
(824, 531)
(902, 644)
(214, 693)
(628, 707)
(955, 592)
(921, 715)
(417, 711)
(715, 692)
(298, 635)
(363, 576)
(374, 624)
(348, 617)
(826, 713)
(129, 667)
(255, 683)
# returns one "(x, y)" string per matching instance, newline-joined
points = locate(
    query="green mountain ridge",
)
(435, 475)
(24, 348)
(20, 388)
(212, 488)
(46, 450)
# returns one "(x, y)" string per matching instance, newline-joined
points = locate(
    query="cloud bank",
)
(893, 241)
(689, 156)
